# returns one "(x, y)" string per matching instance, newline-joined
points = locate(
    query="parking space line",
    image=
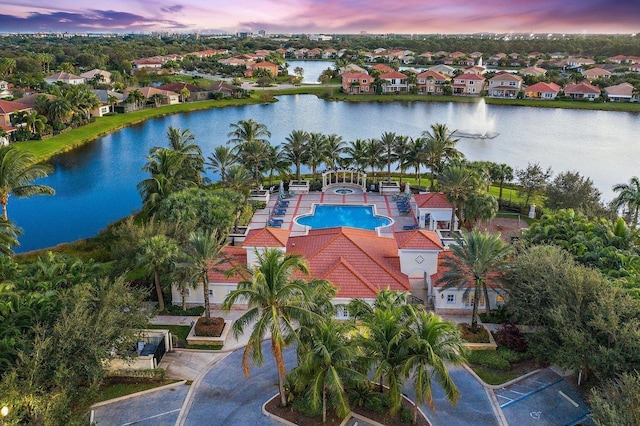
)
(152, 417)
(531, 393)
(565, 396)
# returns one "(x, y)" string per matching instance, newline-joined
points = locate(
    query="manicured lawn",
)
(116, 389)
(494, 377)
(182, 331)
(43, 150)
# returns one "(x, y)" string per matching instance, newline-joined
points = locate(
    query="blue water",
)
(96, 184)
(329, 216)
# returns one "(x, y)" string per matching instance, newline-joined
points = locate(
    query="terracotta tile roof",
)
(581, 88)
(177, 87)
(469, 76)
(237, 256)
(506, 77)
(150, 91)
(544, 88)
(332, 254)
(392, 74)
(435, 200)
(7, 107)
(355, 75)
(418, 239)
(382, 67)
(30, 100)
(435, 74)
(267, 237)
(622, 89)
(596, 72)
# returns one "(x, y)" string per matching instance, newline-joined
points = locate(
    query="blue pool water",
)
(328, 216)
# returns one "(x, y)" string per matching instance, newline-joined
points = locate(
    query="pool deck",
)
(302, 204)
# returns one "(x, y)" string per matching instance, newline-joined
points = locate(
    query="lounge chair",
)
(409, 227)
(276, 220)
(273, 224)
(278, 213)
(280, 209)
(281, 203)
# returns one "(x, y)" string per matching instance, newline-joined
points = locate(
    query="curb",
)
(134, 395)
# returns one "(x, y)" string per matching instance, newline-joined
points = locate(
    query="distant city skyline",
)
(323, 16)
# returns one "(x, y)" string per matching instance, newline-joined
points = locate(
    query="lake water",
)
(312, 69)
(96, 184)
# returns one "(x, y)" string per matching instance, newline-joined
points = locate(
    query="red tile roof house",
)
(394, 82)
(64, 77)
(622, 92)
(7, 110)
(505, 85)
(356, 83)
(545, 91)
(582, 90)
(196, 93)
(431, 82)
(468, 84)
(596, 73)
(382, 68)
(272, 68)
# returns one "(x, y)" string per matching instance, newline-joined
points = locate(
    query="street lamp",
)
(4, 411)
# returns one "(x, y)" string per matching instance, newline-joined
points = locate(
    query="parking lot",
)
(543, 399)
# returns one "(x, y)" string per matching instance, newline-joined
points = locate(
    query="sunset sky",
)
(322, 16)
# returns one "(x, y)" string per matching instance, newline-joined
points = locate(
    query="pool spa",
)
(333, 215)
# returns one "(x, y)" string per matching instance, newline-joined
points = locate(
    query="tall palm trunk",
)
(324, 404)
(282, 372)
(207, 304)
(474, 314)
(156, 280)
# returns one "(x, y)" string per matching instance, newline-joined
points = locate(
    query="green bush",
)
(176, 310)
(405, 415)
(489, 359)
(302, 404)
(495, 316)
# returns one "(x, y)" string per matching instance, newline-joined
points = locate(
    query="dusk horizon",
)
(331, 17)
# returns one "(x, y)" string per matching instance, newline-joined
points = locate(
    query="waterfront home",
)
(534, 71)
(352, 68)
(444, 69)
(468, 84)
(394, 82)
(545, 91)
(383, 68)
(596, 73)
(227, 90)
(505, 85)
(30, 100)
(196, 93)
(8, 110)
(622, 92)
(147, 63)
(97, 75)
(234, 62)
(431, 82)
(272, 68)
(64, 77)
(356, 82)
(582, 90)
(156, 96)
(105, 107)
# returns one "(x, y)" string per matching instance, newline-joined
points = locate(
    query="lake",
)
(96, 184)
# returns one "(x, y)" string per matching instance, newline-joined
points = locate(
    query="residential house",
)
(433, 211)
(272, 68)
(383, 68)
(64, 77)
(227, 90)
(329, 53)
(444, 69)
(582, 90)
(30, 100)
(147, 63)
(457, 54)
(475, 69)
(352, 68)
(91, 76)
(426, 56)
(105, 107)
(468, 84)
(475, 55)
(431, 82)
(7, 110)
(4, 90)
(164, 97)
(596, 73)
(196, 93)
(394, 82)
(357, 83)
(534, 71)
(545, 91)
(505, 85)
(314, 53)
(622, 92)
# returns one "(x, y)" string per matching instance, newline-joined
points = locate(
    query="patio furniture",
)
(273, 224)
(410, 227)
(276, 220)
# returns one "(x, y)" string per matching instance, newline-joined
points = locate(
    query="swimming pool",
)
(332, 215)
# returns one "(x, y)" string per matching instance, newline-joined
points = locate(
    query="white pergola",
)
(342, 177)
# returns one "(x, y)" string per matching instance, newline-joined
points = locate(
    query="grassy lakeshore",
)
(44, 150)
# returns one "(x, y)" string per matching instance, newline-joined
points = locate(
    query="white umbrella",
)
(407, 188)
(281, 186)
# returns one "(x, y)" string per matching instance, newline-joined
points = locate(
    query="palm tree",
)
(248, 131)
(252, 155)
(388, 140)
(182, 143)
(8, 236)
(401, 152)
(155, 254)
(328, 364)
(36, 122)
(112, 101)
(629, 197)
(205, 252)
(18, 170)
(432, 343)
(295, 147)
(60, 110)
(275, 160)
(335, 148)
(220, 160)
(456, 180)
(501, 173)
(238, 179)
(373, 152)
(440, 146)
(416, 157)
(316, 152)
(476, 257)
(136, 97)
(185, 94)
(357, 154)
(276, 303)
